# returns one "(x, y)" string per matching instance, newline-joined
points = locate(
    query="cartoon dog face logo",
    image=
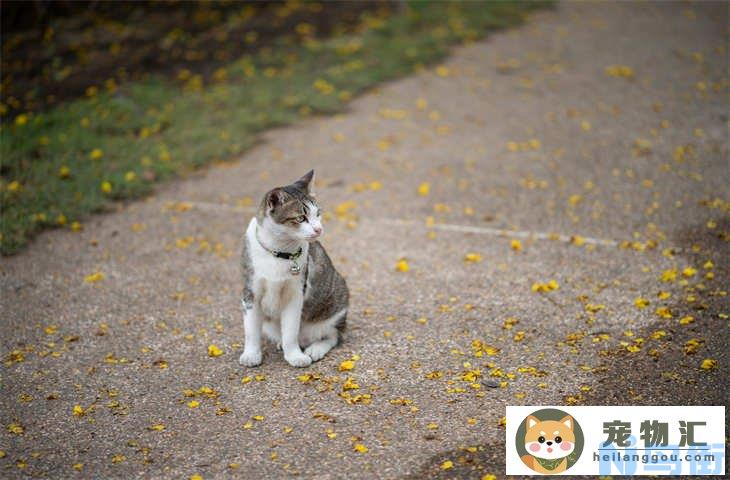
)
(550, 439)
(549, 444)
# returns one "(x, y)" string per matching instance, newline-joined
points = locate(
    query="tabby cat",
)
(291, 291)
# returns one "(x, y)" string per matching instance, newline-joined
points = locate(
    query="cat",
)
(549, 444)
(291, 291)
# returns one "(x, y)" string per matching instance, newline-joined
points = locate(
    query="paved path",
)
(600, 159)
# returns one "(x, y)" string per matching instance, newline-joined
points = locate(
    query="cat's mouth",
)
(550, 450)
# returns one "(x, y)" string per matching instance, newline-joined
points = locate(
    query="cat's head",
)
(291, 211)
(549, 439)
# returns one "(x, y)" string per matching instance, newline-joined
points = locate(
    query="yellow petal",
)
(472, 257)
(689, 272)
(708, 364)
(347, 365)
(214, 351)
(94, 277)
(641, 302)
(16, 428)
(402, 265)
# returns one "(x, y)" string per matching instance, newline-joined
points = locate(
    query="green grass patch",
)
(61, 165)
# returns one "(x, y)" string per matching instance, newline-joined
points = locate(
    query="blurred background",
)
(101, 100)
(54, 50)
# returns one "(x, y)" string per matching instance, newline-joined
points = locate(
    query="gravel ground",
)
(596, 136)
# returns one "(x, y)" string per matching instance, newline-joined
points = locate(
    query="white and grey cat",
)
(291, 291)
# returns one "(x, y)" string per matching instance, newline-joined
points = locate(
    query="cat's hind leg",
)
(319, 349)
(321, 337)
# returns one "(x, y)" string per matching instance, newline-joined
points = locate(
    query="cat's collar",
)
(278, 254)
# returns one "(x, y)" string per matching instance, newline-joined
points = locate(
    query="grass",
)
(63, 164)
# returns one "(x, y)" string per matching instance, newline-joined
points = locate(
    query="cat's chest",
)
(275, 286)
(268, 267)
(274, 296)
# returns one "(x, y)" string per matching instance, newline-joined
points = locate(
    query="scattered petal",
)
(689, 272)
(16, 428)
(708, 364)
(402, 265)
(347, 365)
(94, 277)
(620, 71)
(472, 258)
(214, 351)
(641, 302)
(546, 287)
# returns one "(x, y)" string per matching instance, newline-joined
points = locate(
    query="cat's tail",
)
(341, 326)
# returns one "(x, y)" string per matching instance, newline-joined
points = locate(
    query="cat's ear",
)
(567, 421)
(306, 183)
(531, 421)
(275, 198)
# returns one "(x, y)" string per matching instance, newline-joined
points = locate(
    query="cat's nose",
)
(549, 443)
(318, 230)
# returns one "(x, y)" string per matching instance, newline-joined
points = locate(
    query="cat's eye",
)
(300, 219)
(558, 439)
(541, 439)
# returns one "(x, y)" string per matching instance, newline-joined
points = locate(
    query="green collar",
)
(549, 464)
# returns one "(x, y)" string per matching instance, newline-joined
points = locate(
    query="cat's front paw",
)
(250, 358)
(298, 359)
